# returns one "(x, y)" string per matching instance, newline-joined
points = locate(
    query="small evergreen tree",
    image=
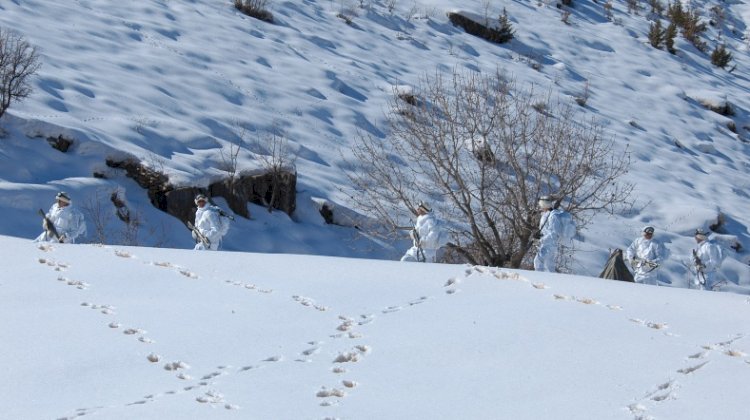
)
(692, 28)
(720, 57)
(676, 14)
(657, 9)
(656, 34)
(505, 27)
(669, 36)
(633, 6)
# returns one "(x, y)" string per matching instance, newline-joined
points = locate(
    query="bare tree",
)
(485, 154)
(18, 61)
(277, 159)
(230, 154)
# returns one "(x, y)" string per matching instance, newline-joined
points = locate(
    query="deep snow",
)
(125, 332)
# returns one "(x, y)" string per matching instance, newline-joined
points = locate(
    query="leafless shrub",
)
(230, 154)
(564, 16)
(489, 203)
(583, 98)
(255, 8)
(97, 215)
(277, 159)
(18, 62)
(540, 107)
(100, 211)
(347, 13)
(391, 6)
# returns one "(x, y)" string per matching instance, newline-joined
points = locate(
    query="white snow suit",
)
(711, 257)
(68, 223)
(427, 237)
(208, 224)
(551, 228)
(646, 252)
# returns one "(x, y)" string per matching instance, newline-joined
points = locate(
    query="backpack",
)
(223, 218)
(568, 225)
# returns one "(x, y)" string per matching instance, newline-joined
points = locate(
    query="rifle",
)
(201, 237)
(699, 267)
(417, 241)
(639, 262)
(49, 227)
(225, 214)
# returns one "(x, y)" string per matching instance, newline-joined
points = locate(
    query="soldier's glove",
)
(62, 238)
(194, 235)
(537, 235)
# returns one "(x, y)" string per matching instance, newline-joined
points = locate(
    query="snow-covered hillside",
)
(168, 83)
(109, 332)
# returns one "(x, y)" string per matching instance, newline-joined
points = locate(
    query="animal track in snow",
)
(662, 392)
(45, 247)
(212, 375)
(311, 351)
(541, 286)
(587, 301)
(51, 263)
(189, 274)
(504, 275)
(173, 366)
(391, 309)
(210, 397)
(162, 264)
(366, 319)
(653, 325)
(330, 392)
(691, 369)
(699, 355)
(123, 254)
(347, 357)
(104, 309)
(153, 358)
(273, 359)
(734, 353)
(353, 355)
(75, 283)
(309, 302)
(452, 281)
(347, 325)
(418, 301)
(253, 287)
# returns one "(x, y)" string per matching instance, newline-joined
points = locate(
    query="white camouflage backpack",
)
(223, 227)
(568, 225)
